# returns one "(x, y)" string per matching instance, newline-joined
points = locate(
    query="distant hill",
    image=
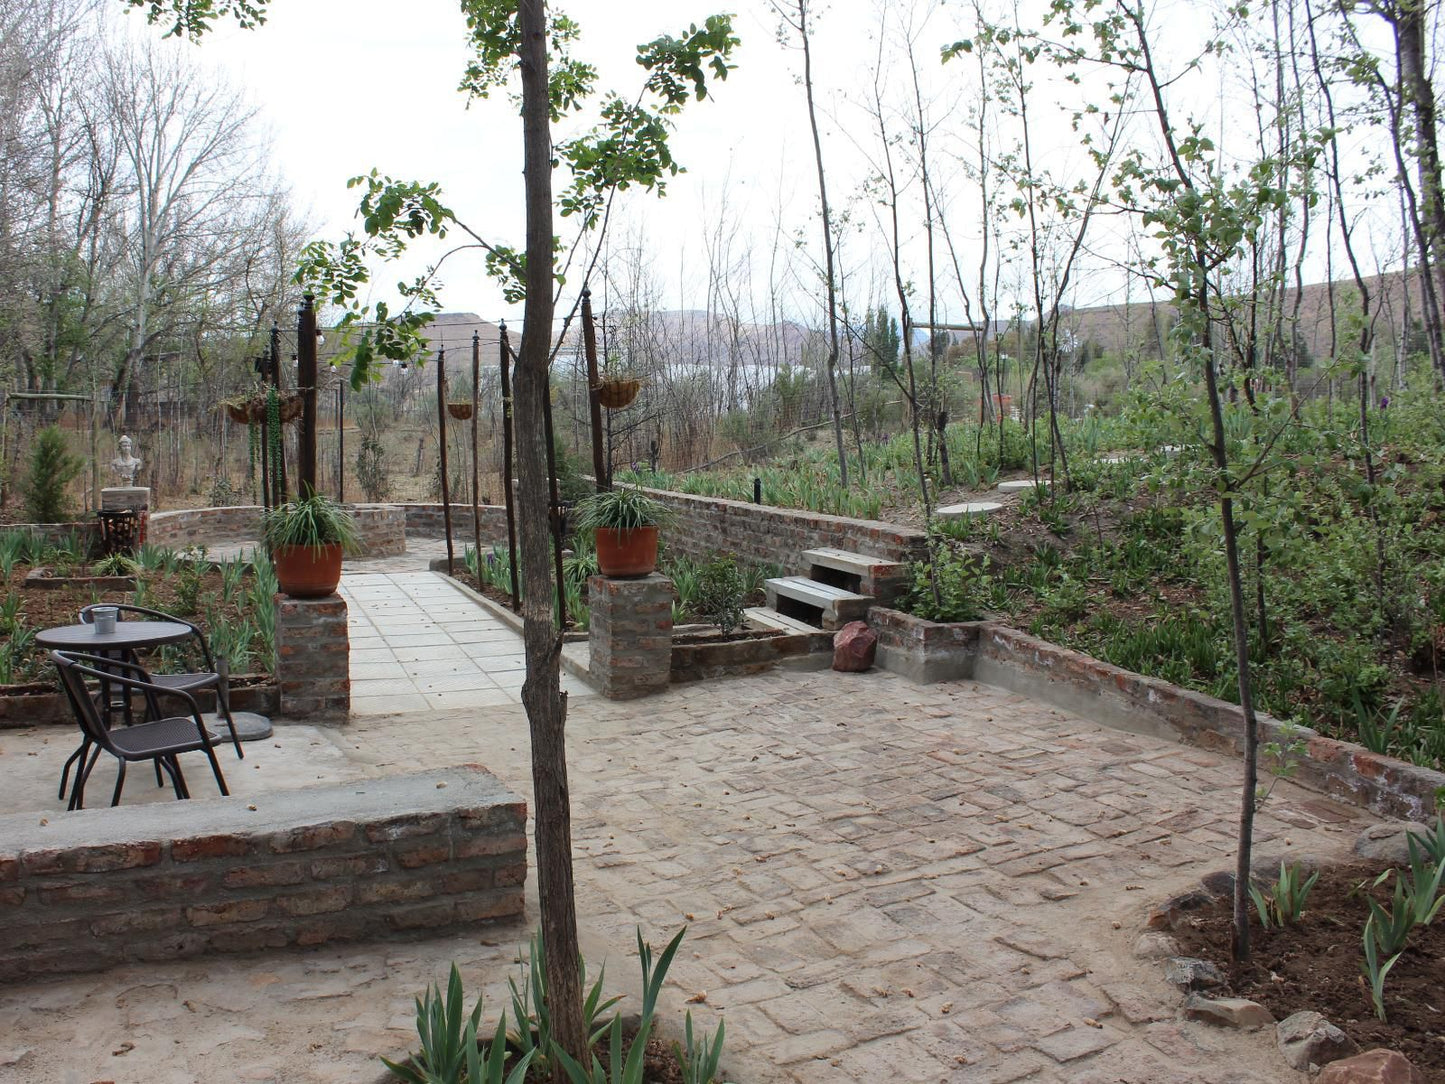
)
(1139, 324)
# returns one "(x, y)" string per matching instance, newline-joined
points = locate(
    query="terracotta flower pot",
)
(626, 554)
(308, 571)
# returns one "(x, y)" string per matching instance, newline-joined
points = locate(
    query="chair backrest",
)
(87, 714)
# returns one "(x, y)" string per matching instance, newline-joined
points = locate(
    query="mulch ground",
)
(1316, 965)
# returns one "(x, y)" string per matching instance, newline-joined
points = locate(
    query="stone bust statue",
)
(125, 464)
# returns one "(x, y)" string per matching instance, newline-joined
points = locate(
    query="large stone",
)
(1386, 843)
(1191, 974)
(1372, 1067)
(1227, 1012)
(854, 648)
(1170, 914)
(1307, 1039)
(1153, 945)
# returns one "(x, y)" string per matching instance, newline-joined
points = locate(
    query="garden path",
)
(418, 643)
(882, 881)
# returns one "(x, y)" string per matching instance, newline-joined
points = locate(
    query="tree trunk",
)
(541, 692)
(827, 248)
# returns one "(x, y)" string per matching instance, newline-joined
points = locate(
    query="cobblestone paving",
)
(882, 882)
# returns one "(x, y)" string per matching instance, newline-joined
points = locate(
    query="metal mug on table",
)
(103, 617)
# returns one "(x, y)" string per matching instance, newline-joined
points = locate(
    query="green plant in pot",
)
(625, 521)
(307, 538)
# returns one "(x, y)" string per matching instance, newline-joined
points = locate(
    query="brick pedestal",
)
(630, 635)
(313, 657)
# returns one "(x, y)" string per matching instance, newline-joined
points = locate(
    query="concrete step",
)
(801, 598)
(855, 564)
(760, 617)
(975, 509)
(1022, 485)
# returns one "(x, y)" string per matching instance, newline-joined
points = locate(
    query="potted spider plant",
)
(307, 538)
(625, 521)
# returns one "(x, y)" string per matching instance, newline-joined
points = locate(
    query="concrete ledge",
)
(1070, 680)
(425, 852)
(701, 659)
(924, 651)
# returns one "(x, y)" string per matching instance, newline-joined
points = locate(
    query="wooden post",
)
(442, 443)
(594, 407)
(507, 467)
(306, 384)
(476, 462)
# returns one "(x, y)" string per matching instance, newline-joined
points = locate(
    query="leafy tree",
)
(517, 41)
(52, 469)
(881, 340)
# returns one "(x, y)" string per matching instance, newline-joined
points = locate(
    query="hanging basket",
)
(616, 394)
(252, 411)
(460, 411)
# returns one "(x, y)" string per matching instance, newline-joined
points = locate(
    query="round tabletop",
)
(128, 636)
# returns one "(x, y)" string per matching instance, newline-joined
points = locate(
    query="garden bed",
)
(1316, 966)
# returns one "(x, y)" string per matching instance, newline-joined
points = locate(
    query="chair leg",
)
(173, 769)
(160, 783)
(181, 777)
(79, 755)
(82, 774)
(216, 769)
(119, 783)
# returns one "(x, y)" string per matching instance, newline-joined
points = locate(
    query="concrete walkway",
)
(418, 643)
(881, 881)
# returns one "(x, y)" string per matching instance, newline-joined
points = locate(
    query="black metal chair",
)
(161, 740)
(212, 677)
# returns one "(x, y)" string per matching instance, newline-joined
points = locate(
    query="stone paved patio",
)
(883, 882)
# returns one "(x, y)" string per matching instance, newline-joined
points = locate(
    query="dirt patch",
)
(1316, 965)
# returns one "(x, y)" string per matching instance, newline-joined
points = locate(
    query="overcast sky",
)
(348, 85)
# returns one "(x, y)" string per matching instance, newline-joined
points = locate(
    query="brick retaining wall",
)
(702, 527)
(431, 851)
(994, 653)
(204, 526)
(40, 705)
(428, 521)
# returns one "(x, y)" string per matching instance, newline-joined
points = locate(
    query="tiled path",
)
(420, 644)
(882, 882)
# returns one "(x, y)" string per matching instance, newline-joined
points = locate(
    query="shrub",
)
(52, 469)
(720, 594)
(372, 473)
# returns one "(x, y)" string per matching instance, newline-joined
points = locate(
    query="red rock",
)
(1372, 1067)
(854, 648)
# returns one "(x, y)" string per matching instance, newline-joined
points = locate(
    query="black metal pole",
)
(555, 505)
(476, 461)
(341, 441)
(594, 407)
(507, 467)
(306, 384)
(442, 443)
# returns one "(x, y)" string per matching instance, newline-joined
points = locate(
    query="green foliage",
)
(621, 508)
(52, 469)
(697, 1056)
(1284, 903)
(720, 594)
(117, 564)
(316, 520)
(1375, 970)
(450, 1053)
(962, 585)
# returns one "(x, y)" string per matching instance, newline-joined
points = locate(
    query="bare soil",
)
(1316, 965)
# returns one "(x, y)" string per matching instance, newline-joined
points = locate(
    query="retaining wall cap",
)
(362, 800)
